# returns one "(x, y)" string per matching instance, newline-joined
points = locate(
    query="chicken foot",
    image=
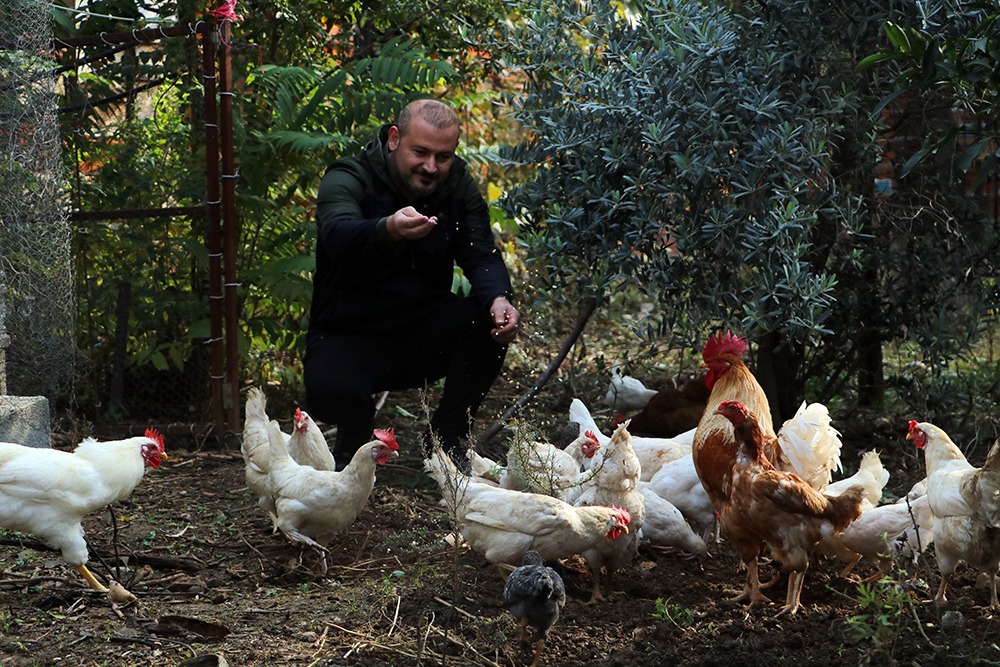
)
(539, 645)
(751, 590)
(305, 539)
(524, 639)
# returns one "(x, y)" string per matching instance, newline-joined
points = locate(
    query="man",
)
(393, 222)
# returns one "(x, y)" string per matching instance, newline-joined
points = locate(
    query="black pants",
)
(451, 341)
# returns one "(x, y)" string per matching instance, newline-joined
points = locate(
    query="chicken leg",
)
(795, 582)
(539, 645)
(91, 579)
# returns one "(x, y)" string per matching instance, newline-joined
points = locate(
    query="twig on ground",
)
(321, 642)
(459, 609)
(395, 616)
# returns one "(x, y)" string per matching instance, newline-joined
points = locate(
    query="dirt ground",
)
(215, 587)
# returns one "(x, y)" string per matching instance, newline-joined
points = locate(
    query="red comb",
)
(590, 434)
(911, 426)
(155, 436)
(387, 436)
(298, 414)
(723, 344)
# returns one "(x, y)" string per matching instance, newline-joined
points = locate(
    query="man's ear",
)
(393, 138)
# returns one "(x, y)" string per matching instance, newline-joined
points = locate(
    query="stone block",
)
(25, 420)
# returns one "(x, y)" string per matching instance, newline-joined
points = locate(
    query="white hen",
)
(653, 453)
(871, 474)
(311, 505)
(503, 525)
(887, 531)
(678, 483)
(664, 525)
(306, 445)
(48, 492)
(540, 467)
(615, 479)
(626, 393)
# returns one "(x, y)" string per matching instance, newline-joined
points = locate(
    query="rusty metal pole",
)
(214, 235)
(230, 232)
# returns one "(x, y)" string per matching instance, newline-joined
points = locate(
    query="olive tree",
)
(721, 158)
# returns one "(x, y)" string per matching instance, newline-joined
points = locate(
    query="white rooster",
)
(48, 492)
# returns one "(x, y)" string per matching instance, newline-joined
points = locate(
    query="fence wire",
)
(36, 273)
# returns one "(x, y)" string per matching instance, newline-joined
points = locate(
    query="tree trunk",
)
(777, 373)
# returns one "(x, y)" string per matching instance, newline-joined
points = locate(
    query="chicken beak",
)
(163, 455)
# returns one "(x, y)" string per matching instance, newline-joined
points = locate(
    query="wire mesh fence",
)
(36, 275)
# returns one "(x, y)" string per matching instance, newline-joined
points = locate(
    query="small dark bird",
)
(533, 594)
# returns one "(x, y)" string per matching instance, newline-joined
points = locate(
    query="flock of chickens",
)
(599, 496)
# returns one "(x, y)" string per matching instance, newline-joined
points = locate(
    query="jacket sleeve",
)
(344, 231)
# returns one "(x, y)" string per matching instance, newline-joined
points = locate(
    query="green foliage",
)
(955, 52)
(312, 81)
(671, 612)
(885, 608)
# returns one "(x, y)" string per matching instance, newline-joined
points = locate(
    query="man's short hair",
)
(437, 114)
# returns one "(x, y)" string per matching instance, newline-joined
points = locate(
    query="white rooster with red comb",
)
(48, 492)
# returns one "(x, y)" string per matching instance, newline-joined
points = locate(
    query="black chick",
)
(533, 594)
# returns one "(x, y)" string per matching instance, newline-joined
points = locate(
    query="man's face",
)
(423, 157)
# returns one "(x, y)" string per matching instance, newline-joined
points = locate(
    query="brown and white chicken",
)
(672, 410)
(48, 492)
(776, 508)
(312, 506)
(806, 445)
(503, 525)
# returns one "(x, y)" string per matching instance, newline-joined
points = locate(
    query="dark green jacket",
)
(365, 283)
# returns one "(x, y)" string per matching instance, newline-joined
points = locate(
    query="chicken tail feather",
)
(846, 507)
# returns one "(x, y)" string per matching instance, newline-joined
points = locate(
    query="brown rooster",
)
(727, 379)
(767, 505)
(806, 445)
